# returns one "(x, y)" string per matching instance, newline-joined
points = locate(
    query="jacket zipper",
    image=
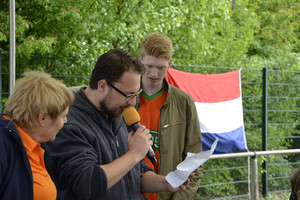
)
(125, 177)
(167, 125)
(117, 142)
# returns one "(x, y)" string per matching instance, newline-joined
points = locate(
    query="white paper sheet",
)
(186, 167)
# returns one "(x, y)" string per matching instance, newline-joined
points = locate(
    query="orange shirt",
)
(149, 112)
(43, 186)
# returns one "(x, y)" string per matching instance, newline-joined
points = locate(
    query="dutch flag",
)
(219, 105)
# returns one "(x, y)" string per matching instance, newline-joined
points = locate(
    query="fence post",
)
(12, 45)
(254, 192)
(0, 82)
(265, 130)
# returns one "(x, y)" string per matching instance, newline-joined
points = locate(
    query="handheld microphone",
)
(132, 119)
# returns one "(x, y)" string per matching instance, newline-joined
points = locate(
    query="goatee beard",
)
(104, 108)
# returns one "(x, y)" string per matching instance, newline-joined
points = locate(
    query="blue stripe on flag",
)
(228, 142)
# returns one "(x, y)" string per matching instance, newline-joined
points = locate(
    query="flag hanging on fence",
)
(218, 100)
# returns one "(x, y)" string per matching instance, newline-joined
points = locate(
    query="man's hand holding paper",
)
(189, 165)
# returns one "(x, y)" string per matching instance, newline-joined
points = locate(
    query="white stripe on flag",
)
(220, 117)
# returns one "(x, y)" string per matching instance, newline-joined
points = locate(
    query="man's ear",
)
(298, 194)
(42, 119)
(170, 62)
(140, 58)
(102, 84)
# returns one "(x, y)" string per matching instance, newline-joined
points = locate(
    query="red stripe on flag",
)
(207, 88)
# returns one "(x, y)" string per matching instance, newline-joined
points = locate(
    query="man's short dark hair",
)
(112, 65)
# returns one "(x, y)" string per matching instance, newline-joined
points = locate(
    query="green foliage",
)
(277, 196)
(224, 178)
(279, 26)
(203, 32)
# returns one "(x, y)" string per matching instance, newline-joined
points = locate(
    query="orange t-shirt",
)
(149, 112)
(43, 186)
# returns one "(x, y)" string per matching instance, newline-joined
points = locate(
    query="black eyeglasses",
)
(128, 97)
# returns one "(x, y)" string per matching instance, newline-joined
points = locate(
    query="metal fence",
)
(253, 182)
(271, 102)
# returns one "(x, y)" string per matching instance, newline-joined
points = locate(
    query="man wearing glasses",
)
(128, 97)
(94, 156)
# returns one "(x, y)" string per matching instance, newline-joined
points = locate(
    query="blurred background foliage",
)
(226, 33)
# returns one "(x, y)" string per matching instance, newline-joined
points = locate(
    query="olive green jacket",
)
(179, 133)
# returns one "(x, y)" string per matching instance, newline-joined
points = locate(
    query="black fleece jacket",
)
(86, 141)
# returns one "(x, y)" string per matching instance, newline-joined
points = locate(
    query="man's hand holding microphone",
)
(140, 138)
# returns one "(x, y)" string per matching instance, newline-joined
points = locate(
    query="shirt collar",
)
(28, 142)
